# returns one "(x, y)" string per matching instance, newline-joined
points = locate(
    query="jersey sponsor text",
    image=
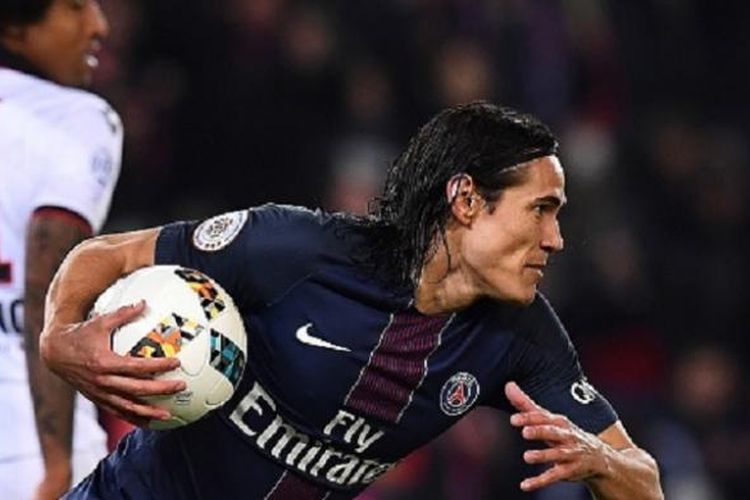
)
(256, 416)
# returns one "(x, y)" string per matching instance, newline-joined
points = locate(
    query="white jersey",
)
(59, 147)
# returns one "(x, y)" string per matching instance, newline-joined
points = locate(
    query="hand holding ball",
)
(188, 316)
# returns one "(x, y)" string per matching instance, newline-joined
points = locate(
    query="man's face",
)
(506, 249)
(64, 43)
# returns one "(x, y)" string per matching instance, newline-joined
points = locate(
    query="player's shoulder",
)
(542, 327)
(56, 105)
(280, 213)
(301, 231)
(288, 220)
(536, 323)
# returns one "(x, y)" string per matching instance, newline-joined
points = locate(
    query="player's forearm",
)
(78, 349)
(47, 243)
(89, 269)
(628, 474)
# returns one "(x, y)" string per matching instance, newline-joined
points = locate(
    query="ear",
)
(462, 197)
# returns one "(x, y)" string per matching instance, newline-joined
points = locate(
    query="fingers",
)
(121, 394)
(549, 476)
(140, 367)
(106, 362)
(537, 423)
(538, 418)
(570, 451)
(112, 363)
(138, 388)
(519, 399)
(122, 315)
(137, 413)
(560, 454)
(548, 433)
(114, 382)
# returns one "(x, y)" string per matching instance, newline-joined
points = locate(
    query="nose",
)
(552, 239)
(98, 23)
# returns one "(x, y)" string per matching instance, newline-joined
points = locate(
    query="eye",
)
(539, 210)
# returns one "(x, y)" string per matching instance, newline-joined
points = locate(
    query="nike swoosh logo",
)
(303, 335)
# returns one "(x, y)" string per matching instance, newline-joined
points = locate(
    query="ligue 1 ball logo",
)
(459, 394)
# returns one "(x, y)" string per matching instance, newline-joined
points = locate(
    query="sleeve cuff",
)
(168, 244)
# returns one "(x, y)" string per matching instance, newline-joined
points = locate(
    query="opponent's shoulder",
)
(66, 109)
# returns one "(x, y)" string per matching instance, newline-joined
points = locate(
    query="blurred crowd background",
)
(232, 103)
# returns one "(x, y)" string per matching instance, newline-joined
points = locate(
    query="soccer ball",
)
(188, 316)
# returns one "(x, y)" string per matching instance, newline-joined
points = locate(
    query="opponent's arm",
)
(49, 236)
(612, 466)
(79, 351)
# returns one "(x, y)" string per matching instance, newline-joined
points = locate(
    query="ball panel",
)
(168, 338)
(189, 316)
(220, 393)
(208, 292)
(227, 357)
(195, 356)
(230, 324)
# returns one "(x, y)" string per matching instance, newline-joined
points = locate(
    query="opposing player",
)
(59, 161)
(368, 336)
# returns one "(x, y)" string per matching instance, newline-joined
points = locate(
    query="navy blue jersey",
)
(344, 376)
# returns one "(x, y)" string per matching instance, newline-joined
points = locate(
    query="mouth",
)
(538, 268)
(92, 61)
(91, 56)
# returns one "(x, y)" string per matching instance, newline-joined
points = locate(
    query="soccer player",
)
(60, 151)
(368, 336)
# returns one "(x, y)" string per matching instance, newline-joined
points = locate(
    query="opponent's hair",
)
(480, 139)
(22, 12)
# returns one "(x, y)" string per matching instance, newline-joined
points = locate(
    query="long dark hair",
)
(479, 139)
(22, 12)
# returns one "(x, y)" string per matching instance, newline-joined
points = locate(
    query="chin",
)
(85, 79)
(520, 298)
(69, 80)
(526, 300)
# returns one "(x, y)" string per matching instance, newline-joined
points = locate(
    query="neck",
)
(444, 286)
(12, 60)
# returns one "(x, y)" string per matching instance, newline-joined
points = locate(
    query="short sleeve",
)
(255, 254)
(546, 366)
(81, 159)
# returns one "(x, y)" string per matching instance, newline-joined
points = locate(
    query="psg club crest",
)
(459, 394)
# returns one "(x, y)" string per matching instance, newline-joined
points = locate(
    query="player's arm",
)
(78, 350)
(610, 463)
(50, 235)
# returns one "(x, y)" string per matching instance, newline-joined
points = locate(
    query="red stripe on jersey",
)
(64, 213)
(291, 486)
(397, 366)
